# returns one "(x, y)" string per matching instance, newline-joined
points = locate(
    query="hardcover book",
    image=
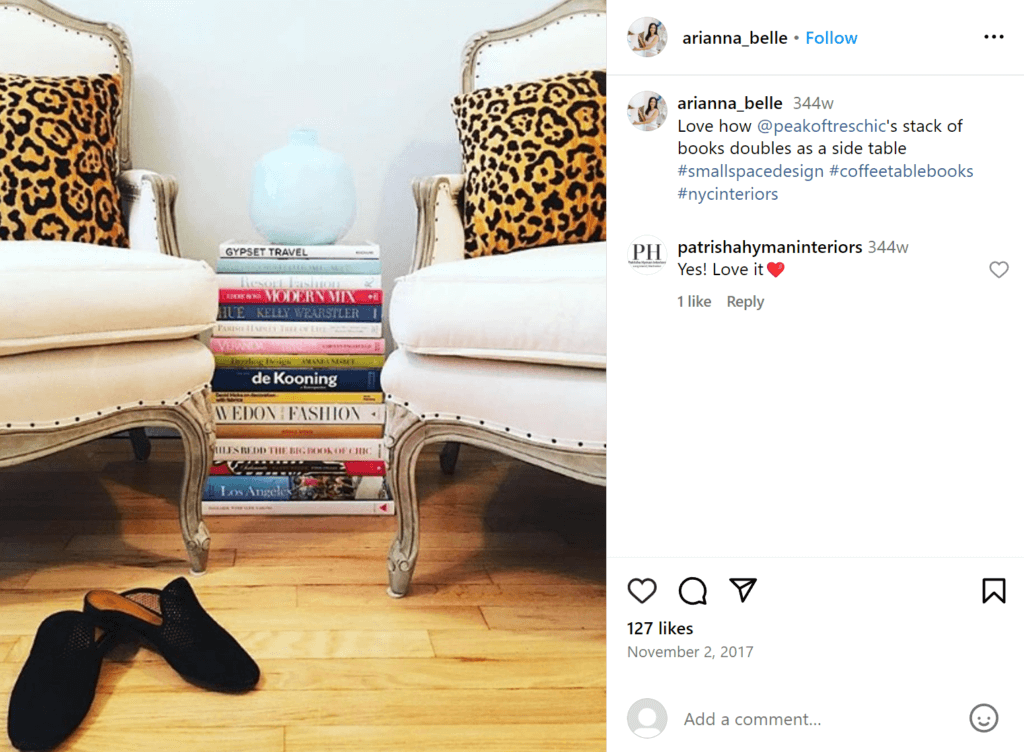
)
(305, 329)
(296, 379)
(298, 413)
(300, 281)
(297, 266)
(318, 313)
(299, 449)
(269, 398)
(257, 250)
(298, 361)
(299, 296)
(305, 487)
(297, 467)
(317, 508)
(299, 431)
(297, 346)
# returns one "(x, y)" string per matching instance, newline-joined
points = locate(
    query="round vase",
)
(302, 194)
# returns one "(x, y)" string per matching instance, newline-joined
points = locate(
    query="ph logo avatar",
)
(646, 254)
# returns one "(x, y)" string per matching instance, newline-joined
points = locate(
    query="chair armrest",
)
(147, 199)
(439, 233)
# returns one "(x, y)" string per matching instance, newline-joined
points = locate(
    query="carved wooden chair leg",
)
(449, 456)
(405, 438)
(196, 426)
(140, 443)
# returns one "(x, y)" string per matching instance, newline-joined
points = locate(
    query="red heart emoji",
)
(775, 268)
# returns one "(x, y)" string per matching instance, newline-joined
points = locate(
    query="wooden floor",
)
(500, 645)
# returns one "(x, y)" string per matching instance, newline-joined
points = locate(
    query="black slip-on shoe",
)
(176, 626)
(57, 684)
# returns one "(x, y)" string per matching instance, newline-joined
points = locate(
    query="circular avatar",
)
(647, 111)
(647, 718)
(647, 36)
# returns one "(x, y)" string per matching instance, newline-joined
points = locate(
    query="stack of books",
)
(299, 348)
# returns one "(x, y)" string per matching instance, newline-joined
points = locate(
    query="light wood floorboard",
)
(499, 647)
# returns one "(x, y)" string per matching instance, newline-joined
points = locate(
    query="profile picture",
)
(647, 111)
(647, 36)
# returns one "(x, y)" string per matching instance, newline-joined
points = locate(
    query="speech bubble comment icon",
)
(693, 591)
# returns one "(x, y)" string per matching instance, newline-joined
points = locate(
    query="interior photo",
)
(302, 375)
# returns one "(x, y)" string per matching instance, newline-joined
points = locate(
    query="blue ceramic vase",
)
(302, 194)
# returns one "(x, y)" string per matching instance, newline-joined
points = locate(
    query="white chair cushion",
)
(59, 294)
(51, 388)
(545, 305)
(534, 402)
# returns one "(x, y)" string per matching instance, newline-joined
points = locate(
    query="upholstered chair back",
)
(38, 39)
(569, 37)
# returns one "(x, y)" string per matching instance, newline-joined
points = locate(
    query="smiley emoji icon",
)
(984, 717)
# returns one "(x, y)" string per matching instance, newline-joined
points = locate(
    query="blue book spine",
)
(296, 380)
(266, 488)
(298, 266)
(295, 312)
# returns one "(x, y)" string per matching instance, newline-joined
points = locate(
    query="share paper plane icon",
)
(744, 585)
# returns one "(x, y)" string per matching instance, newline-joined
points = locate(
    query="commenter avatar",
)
(647, 111)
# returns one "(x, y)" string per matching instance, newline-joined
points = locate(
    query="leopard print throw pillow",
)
(534, 155)
(58, 159)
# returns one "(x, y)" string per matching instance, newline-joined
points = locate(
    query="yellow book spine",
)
(263, 398)
(298, 431)
(299, 361)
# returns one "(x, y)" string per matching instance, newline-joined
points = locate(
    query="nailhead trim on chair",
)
(27, 12)
(523, 434)
(100, 413)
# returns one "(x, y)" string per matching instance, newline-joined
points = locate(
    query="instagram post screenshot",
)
(814, 528)
(303, 355)
(339, 412)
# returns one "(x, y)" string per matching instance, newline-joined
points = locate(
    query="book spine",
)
(298, 266)
(299, 296)
(251, 468)
(296, 488)
(269, 398)
(300, 281)
(299, 449)
(318, 508)
(317, 313)
(297, 431)
(305, 329)
(296, 379)
(298, 414)
(298, 361)
(233, 249)
(241, 345)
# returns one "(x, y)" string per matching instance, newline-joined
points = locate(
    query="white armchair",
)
(95, 340)
(504, 352)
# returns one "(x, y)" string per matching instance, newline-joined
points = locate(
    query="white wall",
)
(218, 83)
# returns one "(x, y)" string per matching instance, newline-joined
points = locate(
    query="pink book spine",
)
(285, 296)
(297, 346)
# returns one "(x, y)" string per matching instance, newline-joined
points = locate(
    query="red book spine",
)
(287, 296)
(352, 468)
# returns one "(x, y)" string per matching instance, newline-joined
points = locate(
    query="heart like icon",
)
(999, 268)
(642, 590)
(775, 268)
